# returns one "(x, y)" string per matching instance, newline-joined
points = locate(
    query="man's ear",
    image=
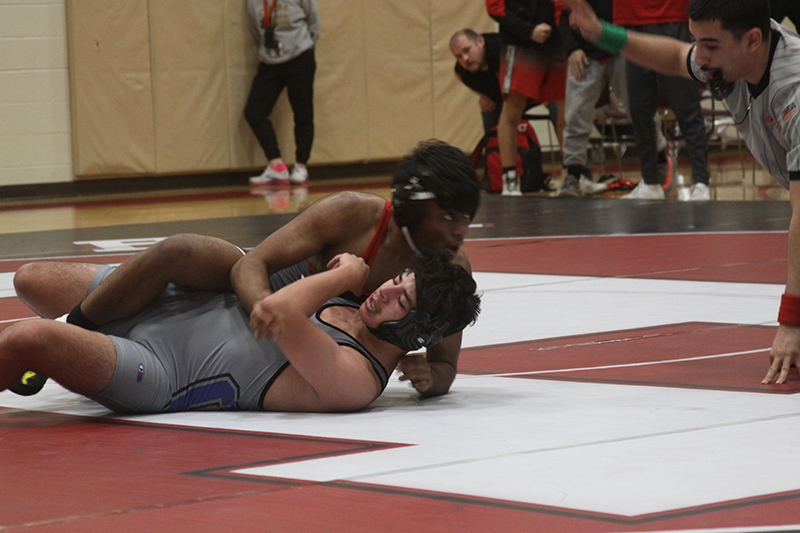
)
(753, 38)
(480, 40)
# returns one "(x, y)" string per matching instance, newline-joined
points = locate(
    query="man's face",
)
(468, 54)
(391, 301)
(719, 53)
(440, 229)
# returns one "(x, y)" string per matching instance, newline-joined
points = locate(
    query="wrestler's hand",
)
(577, 62)
(541, 32)
(785, 352)
(415, 368)
(357, 267)
(583, 19)
(264, 322)
(486, 103)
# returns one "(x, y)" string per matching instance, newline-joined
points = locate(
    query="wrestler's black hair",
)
(735, 16)
(446, 303)
(437, 171)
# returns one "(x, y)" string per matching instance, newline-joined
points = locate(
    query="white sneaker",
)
(511, 184)
(699, 193)
(591, 187)
(299, 175)
(278, 175)
(644, 191)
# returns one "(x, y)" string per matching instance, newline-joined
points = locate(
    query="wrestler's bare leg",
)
(193, 261)
(82, 361)
(53, 288)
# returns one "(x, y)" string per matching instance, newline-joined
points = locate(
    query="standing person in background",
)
(477, 67)
(669, 19)
(532, 66)
(590, 70)
(286, 31)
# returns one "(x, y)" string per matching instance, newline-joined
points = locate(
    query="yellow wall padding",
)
(159, 86)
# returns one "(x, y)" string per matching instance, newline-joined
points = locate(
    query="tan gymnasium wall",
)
(158, 86)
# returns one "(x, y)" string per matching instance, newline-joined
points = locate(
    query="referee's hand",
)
(785, 353)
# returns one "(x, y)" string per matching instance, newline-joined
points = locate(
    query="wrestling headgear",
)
(407, 200)
(414, 331)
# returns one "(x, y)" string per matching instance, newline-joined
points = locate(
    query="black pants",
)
(683, 96)
(297, 75)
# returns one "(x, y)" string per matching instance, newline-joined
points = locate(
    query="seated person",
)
(435, 195)
(193, 349)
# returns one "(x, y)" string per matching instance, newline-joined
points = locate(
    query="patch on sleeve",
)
(790, 111)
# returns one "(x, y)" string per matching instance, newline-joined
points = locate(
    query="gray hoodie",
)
(296, 25)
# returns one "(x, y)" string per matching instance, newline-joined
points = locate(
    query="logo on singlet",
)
(140, 374)
(790, 111)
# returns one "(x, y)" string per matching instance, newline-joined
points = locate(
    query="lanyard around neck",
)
(268, 12)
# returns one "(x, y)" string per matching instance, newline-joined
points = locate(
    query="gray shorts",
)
(188, 350)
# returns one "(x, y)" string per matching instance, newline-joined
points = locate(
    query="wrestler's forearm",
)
(310, 293)
(250, 280)
(443, 362)
(442, 377)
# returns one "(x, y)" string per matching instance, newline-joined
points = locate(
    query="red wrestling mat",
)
(68, 469)
(72, 474)
(680, 355)
(739, 257)
(12, 309)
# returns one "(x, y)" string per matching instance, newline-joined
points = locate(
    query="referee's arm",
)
(786, 346)
(663, 54)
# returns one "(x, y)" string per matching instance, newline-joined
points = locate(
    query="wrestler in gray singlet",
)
(194, 350)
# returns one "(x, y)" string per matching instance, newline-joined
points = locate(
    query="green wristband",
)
(613, 39)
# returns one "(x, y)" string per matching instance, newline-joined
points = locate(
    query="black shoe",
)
(29, 384)
(571, 187)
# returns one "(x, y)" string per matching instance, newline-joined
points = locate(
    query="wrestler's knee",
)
(194, 259)
(26, 279)
(32, 283)
(179, 249)
(26, 340)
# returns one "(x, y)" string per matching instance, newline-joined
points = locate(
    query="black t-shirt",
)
(486, 81)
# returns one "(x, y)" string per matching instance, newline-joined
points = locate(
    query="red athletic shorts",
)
(534, 72)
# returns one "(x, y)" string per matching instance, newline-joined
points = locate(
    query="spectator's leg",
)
(490, 119)
(581, 99)
(264, 92)
(684, 98)
(643, 101)
(513, 108)
(300, 87)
